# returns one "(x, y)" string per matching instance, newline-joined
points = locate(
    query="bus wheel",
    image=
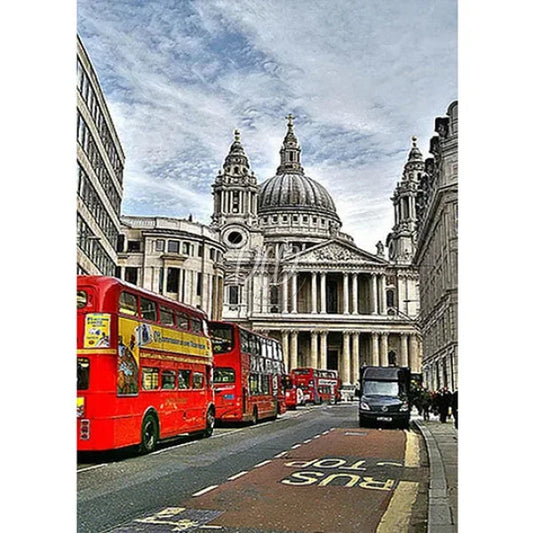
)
(149, 433)
(209, 422)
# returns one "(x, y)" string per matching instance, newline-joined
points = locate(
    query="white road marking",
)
(91, 467)
(203, 491)
(263, 463)
(240, 474)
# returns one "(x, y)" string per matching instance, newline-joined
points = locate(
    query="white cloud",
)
(361, 77)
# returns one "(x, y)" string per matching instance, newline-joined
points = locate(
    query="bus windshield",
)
(381, 388)
(222, 338)
(224, 375)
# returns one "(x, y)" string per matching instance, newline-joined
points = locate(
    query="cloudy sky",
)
(360, 76)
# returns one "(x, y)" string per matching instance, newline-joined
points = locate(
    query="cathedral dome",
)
(290, 190)
(294, 191)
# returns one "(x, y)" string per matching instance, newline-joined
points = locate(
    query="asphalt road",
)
(312, 469)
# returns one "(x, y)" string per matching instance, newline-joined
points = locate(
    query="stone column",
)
(209, 296)
(355, 358)
(355, 309)
(345, 302)
(346, 363)
(314, 349)
(285, 293)
(375, 348)
(384, 349)
(322, 363)
(374, 295)
(294, 291)
(285, 347)
(294, 349)
(314, 296)
(413, 353)
(322, 292)
(403, 350)
(383, 294)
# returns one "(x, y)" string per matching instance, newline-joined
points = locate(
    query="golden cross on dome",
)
(237, 135)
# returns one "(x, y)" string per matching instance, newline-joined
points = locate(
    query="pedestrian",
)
(425, 403)
(455, 409)
(443, 404)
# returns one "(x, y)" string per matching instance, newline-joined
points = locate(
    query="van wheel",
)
(149, 434)
(209, 423)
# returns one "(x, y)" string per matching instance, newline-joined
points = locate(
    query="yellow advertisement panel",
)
(97, 330)
(133, 335)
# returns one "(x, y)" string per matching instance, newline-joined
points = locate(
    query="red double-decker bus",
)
(144, 367)
(248, 374)
(293, 394)
(306, 378)
(328, 385)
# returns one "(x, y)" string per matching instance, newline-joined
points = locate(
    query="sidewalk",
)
(442, 442)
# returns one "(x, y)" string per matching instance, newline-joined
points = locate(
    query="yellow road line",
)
(396, 517)
(412, 450)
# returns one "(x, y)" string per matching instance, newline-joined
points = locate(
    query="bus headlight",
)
(364, 406)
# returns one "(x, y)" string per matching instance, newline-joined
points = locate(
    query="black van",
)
(384, 396)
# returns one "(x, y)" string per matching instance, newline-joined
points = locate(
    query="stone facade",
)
(437, 253)
(180, 259)
(292, 274)
(100, 161)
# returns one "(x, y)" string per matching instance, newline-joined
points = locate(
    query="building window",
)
(173, 246)
(199, 284)
(134, 246)
(234, 296)
(173, 279)
(120, 243)
(131, 275)
(159, 245)
(186, 248)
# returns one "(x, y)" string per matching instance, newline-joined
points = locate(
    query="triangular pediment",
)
(337, 252)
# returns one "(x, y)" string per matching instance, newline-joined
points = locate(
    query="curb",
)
(439, 508)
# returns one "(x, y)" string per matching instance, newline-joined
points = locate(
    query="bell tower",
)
(402, 241)
(235, 189)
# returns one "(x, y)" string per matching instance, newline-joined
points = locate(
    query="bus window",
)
(264, 384)
(222, 338)
(224, 375)
(183, 321)
(197, 380)
(148, 309)
(150, 378)
(81, 299)
(184, 379)
(253, 383)
(166, 316)
(83, 373)
(196, 325)
(168, 379)
(245, 341)
(128, 304)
